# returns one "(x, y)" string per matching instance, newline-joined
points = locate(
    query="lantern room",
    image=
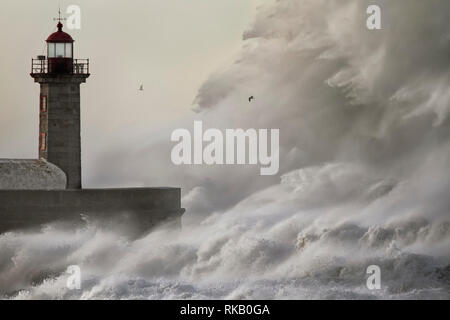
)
(60, 51)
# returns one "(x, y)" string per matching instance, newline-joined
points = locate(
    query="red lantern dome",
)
(60, 36)
(60, 51)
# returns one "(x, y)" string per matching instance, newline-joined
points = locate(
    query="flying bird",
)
(251, 98)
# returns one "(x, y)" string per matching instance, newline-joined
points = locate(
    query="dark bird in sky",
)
(251, 98)
(141, 88)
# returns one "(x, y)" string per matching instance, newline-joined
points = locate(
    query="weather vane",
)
(59, 16)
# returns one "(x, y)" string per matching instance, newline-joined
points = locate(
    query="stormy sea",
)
(364, 173)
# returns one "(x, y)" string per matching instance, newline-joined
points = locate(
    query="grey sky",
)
(169, 46)
(364, 120)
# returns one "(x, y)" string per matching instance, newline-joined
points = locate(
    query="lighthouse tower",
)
(60, 77)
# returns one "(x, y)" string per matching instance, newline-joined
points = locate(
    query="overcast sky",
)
(169, 46)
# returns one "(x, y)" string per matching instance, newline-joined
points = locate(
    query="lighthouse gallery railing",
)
(40, 66)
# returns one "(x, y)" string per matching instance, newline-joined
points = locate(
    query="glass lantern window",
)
(59, 50)
(51, 50)
(68, 50)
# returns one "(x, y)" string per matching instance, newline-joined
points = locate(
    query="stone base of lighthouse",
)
(59, 123)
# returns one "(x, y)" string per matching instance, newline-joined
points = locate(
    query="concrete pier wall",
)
(139, 208)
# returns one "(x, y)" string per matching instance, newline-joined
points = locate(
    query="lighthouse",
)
(60, 77)
(34, 192)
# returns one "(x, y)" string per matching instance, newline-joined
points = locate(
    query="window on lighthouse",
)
(43, 103)
(68, 50)
(59, 50)
(43, 141)
(51, 50)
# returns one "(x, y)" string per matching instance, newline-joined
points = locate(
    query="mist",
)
(363, 179)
